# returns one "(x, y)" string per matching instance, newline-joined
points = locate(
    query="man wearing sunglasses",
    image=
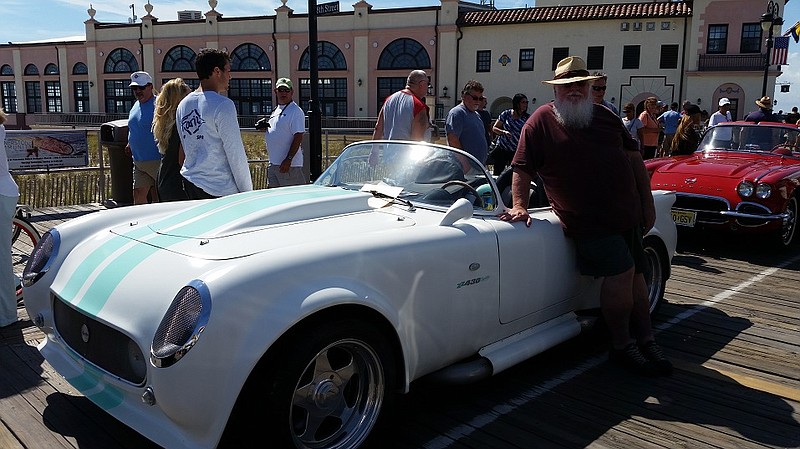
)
(599, 92)
(464, 126)
(141, 142)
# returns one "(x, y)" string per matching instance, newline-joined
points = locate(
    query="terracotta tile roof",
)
(662, 9)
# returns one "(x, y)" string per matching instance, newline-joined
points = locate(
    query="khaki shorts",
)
(145, 173)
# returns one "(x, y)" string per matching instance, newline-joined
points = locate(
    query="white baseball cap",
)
(140, 79)
(724, 101)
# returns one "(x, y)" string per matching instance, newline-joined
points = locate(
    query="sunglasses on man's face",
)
(283, 89)
(474, 98)
(598, 88)
(138, 87)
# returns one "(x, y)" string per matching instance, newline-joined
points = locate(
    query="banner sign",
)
(46, 148)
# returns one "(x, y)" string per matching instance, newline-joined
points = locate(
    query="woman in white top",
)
(631, 122)
(9, 194)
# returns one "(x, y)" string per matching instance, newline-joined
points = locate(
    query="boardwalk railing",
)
(92, 184)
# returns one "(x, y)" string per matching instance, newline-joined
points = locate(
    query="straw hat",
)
(571, 69)
(764, 102)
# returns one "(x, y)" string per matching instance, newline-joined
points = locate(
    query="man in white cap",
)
(722, 136)
(142, 144)
(283, 136)
(723, 114)
(564, 143)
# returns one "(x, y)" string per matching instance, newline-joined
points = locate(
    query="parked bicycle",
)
(21, 227)
(24, 238)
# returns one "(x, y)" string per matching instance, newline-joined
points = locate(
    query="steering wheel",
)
(464, 185)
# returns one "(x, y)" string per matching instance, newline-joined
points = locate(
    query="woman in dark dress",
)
(170, 181)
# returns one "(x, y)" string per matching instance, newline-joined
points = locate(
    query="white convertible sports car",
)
(294, 312)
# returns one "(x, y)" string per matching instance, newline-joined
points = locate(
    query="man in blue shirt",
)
(464, 126)
(670, 120)
(141, 142)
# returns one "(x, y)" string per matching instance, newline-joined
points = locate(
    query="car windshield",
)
(761, 138)
(418, 172)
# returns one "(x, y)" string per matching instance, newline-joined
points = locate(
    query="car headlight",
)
(763, 190)
(41, 257)
(745, 189)
(182, 324)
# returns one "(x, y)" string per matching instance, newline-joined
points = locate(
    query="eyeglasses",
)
(283, 89)
(474, 98)
(599, 88)
(138, 87)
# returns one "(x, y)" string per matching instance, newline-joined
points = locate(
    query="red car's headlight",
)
(745, 189)
(763, 190)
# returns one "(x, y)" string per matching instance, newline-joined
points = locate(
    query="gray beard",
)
(574, 115)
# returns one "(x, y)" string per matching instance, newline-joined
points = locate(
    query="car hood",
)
(717, 169)
(246, 224)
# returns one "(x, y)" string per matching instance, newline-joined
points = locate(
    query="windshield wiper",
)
(402, 201)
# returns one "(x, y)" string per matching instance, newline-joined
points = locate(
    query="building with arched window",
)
(699, 50)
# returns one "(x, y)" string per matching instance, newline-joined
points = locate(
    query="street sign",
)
(327, 8)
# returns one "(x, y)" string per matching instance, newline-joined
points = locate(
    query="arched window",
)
(121, 60)
(31, 69)
(51, 69)
(179, 59)
(404, 54)
(330, 58)
(6, 70)
(80, 69)
(249, 58)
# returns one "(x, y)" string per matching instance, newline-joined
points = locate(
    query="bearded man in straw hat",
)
(763, 113)
(564, 143)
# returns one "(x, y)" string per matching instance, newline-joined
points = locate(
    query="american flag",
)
(780, 50)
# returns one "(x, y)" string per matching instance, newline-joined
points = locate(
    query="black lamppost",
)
(771, 23)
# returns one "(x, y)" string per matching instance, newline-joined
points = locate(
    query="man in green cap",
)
(283, 137)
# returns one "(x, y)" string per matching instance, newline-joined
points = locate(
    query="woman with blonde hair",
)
(648, 134)
(687, 136)
(170, 181)
(9, 194)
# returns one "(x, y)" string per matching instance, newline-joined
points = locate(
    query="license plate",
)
(684, 217)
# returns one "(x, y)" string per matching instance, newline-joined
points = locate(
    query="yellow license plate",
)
(684, 217)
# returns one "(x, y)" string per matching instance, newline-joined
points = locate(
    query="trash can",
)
(114, 136)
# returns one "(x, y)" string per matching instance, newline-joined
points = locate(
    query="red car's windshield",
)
(751, 137)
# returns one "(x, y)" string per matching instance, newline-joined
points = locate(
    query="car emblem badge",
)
(690, 180)
(85, 333)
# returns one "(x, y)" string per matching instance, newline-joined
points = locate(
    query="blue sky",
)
(24, 20)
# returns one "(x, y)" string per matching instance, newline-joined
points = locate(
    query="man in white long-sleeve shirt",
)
(215, 162)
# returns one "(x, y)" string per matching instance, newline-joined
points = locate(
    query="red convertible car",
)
(743, 178)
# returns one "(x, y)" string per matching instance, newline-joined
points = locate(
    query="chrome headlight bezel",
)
(763, 190)
(42, 257)
(745, 189)
(184, 321)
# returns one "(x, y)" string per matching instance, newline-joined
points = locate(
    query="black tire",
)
(325, 389)
(657, 272)
(787, 236)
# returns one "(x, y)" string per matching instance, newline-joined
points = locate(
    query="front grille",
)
(98, 343)
(707, 207)
(700, 203)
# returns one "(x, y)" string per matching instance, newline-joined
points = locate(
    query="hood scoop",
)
(252, 211)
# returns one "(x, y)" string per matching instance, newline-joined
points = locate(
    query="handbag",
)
(494, 150)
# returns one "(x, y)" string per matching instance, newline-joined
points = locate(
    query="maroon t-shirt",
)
(586, 172)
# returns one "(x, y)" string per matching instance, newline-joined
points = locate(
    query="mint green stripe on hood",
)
(92, 284)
